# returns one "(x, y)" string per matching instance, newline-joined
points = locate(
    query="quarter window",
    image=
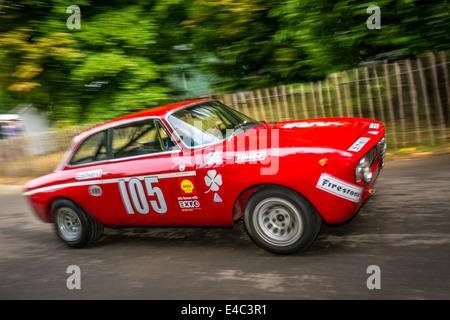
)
(91, 150)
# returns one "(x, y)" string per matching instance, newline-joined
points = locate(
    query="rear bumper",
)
(40, 207)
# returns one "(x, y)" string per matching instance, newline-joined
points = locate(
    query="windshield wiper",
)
(243, 124)
(240, 126)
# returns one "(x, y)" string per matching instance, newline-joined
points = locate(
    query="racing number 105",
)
(138, 195)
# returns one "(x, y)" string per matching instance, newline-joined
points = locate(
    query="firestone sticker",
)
(340, 188)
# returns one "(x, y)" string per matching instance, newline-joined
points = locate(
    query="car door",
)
(83, 176)
(150, 180)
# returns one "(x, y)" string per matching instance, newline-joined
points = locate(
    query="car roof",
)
(159, 112)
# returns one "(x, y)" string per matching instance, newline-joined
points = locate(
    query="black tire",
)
(75, 226)
(280, 220)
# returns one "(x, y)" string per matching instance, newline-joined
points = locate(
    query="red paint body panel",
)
(285, 153)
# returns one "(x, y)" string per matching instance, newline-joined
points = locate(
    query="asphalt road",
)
(404, 230)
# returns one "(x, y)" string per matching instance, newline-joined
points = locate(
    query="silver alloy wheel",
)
(69, 224)
(278, 221)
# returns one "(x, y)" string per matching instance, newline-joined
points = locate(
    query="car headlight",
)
(362, 171)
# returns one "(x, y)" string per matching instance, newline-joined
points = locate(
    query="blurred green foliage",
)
(126, 53)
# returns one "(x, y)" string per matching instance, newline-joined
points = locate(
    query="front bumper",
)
(340, 197)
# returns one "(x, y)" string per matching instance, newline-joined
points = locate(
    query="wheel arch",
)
(89, 229)
(241, 200)
(55, 200)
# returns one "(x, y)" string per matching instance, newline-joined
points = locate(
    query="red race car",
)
(201, 163)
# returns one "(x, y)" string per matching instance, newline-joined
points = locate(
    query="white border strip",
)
(105, 181)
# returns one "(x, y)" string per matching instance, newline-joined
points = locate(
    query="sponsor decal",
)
(339, 188)
(89, 174)
(187, 186)
(373, 132)
(213, 180)
(311, 124)
(217, 198)
(187, 198)
(213, 158)
(95, 191)
(247, 157)
(189, 204)
(358, 144)
(374, 126)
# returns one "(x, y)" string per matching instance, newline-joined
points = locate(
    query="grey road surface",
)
(404, 231)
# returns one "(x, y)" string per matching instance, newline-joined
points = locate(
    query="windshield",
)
(207, 123)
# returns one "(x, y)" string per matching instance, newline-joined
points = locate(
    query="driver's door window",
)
(135, 139)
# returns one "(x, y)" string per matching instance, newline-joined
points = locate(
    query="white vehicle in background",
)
(10, 125)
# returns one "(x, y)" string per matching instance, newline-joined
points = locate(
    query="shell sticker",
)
(187, 186)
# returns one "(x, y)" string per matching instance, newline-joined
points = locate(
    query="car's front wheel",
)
(73, 225)
(281, 221)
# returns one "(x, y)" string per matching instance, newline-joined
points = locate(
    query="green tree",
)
(259, 43)
(116, 63)
(237, 36)
(127, 52)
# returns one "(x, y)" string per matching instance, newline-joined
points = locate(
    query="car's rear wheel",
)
(281, 221)
(74, 226)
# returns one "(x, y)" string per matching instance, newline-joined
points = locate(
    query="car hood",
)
(331, 133)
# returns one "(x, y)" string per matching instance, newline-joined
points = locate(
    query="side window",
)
(92, 149)
(139, 138)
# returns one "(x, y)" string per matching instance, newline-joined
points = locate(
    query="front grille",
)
(381, 149)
